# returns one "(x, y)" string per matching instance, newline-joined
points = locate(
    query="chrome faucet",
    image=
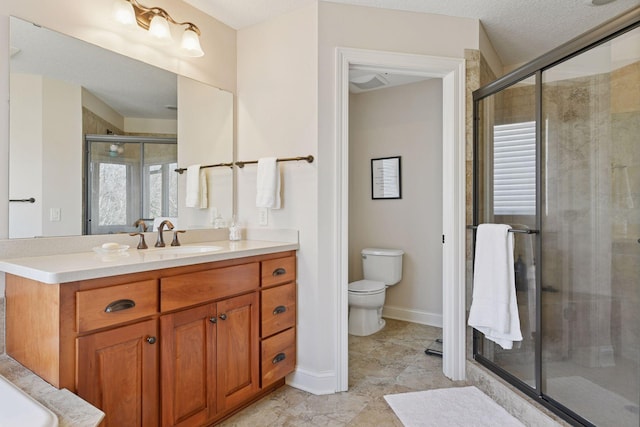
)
(160, 241)
(143, 225)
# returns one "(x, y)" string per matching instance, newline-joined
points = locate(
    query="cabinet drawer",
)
(277, 271)
(98, 308)
(278, 356)
(278, 307)
(194, 288)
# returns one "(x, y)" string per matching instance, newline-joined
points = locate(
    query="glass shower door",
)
(129, 178)
(507, 187)
(590, 303)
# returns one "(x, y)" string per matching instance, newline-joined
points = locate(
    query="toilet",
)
(382, 268)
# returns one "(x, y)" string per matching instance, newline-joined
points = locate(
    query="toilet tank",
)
(384, 265)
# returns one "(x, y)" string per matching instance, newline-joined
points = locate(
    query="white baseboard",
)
(313, 382)
(414, 316)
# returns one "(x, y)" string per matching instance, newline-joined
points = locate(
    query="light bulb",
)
(190, 44)
(123, 13)
(159, 28)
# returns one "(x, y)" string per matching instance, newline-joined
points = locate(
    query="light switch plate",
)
(263, 216)
(54, 214)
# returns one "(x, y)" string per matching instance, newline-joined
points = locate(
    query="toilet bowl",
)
(366, 298)
(382, 268)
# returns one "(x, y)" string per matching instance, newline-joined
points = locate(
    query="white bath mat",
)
(458, 406)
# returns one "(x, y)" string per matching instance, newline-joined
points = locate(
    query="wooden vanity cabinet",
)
(185, 346)
(209, 360)
(116, 365)
(278, 319)
(118, 373)
(188, 366)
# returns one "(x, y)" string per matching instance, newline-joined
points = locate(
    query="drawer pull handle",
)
(279, 309)
(213, 320)
(279, 358)
(279, 272)
(223, 316)
(121, 304)
(151, 340)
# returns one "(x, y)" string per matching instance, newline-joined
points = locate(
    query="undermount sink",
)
(186, 250)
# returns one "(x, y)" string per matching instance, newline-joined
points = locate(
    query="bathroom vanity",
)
(158, 337)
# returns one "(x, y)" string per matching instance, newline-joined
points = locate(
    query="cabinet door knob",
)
(279, 309)
(279, 272)
(223, 316)
(279, 358)
(151, 340)
(213, 320)
(121, 304)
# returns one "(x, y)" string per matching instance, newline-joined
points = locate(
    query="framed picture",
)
(385, 178)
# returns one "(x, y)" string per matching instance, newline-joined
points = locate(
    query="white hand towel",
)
(203, 189)
(523, 247)
(494, 308)
(268, 184)
(196, 191)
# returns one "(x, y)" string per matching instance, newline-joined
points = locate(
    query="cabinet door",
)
(237, 350)
(188, 365)
(118, 373)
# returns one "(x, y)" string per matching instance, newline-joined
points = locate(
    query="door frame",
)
(452, 73)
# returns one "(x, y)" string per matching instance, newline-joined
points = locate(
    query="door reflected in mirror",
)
(63, 90)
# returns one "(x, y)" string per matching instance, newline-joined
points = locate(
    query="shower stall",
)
(128, 178)
(557, 156)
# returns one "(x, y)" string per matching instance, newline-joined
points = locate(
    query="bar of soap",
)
(110, 246)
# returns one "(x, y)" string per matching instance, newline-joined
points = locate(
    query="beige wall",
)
(26, 129)
(401, 121)
(277, 116)
(61, 136)
(47, 123)
(205, 129)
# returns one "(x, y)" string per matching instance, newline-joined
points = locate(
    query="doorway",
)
(451, 71)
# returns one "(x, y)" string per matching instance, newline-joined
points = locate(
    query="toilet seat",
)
(366, 287)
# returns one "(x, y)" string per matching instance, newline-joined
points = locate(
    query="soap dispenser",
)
(234, 230)
(218, 222)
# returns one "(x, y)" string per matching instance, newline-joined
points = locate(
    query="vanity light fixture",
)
(156, 20)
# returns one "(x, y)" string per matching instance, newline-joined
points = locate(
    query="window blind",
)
(514, 169)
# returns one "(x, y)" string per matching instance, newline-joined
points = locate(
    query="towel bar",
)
(512, 230)
(241, 164)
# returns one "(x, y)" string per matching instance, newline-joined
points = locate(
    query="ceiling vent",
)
(368, 81)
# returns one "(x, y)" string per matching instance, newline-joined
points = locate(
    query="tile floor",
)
(391, 361)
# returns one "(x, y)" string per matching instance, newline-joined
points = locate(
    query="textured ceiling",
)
(520, 30)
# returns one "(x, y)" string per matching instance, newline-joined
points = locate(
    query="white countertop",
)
(91, 265)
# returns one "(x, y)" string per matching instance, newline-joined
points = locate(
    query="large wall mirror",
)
(95, 138)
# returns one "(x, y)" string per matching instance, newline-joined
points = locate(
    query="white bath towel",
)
(494, 309)
(523, 247)
(196, 191)
(268, 184)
